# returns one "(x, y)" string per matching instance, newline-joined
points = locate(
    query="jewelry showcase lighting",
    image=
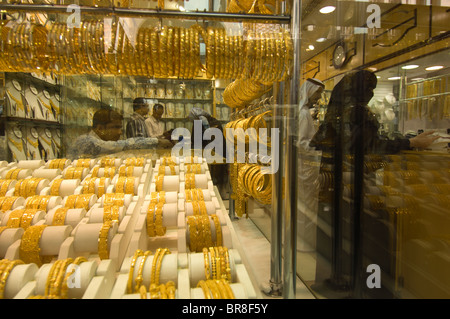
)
(410, 67)
(434, 68)
(327, 9)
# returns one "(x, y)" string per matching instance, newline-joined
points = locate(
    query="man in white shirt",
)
(308, 166)
(155, 126)
(104, 138)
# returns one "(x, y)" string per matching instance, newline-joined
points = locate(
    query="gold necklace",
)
(35, 144)
(46, 141)
(19, 145)
(18, 102)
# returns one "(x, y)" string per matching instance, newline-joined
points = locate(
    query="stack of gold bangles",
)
(125, 185)
(256, 184)
(126, 171)
(217, 263)
(38, 202)
(134, 161)
(21, 218)
(6, 267)
(157, 290)
(155, 214)
(74, 173)
(56, 286)
(117, 199)
(189, 181)
(4, 186)
(6, 203)
(57, 163)
(193, 168)
(216, 289)
(194, 194)
(13, 173)
(103, 251)
(256, 122)
(78, 201)
(200, 234)
(29, 250)
(27, 187)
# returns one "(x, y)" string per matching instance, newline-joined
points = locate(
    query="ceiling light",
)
(394, 78)
(321, 39)
(435, 67)
(410, 67)
(417, 79)
(327, 9)
(378, 77)
(311, 47)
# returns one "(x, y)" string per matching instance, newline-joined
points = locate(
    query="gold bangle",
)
(214, 289)
(103, 251)
(193, 233)
(7, 202)
(4, 274)
(159, 183)
(137, 253)
(218, 228)
(27, 218)
(207, 263)
(5, 186)
(158, 266)
(60, 216)
(54, 189)
(15, 218)
(139, 278)
(143, 292)
(110, 213)
(212, 254)
(206, 292)
(29, 246)
(159, 228)
(64, 288)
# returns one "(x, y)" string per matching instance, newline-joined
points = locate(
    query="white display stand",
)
(24, 173)
(46, 173)
(50, 242)
(66, 188)
(8, 237)
(40, 215)
(31, 164)
(39, 187)
(19, 277)
(73, 216)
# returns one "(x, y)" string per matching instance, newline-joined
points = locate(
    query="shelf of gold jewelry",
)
(29, 121)
(157, 13)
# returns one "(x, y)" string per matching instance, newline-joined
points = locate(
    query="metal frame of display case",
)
(283, 275)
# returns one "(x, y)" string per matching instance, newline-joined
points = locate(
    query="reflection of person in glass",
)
(308, 165)
(136, 125)
(154, 124)
(104, 138)
(352, 151)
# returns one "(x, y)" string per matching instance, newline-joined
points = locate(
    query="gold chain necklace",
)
(35, 144)
(18, 101)
(19, 145)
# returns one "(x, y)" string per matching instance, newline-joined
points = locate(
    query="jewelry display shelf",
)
(107, 278)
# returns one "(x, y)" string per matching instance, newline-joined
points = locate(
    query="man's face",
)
(158, 113)
(111, 131)
(143, 110)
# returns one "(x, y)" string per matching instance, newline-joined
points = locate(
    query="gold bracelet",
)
(214, 289)
(103, 251)
(111, 213)
(207, 263)
(158, 266)
(159, 183)
(13, 173)
(15, 218)
(193, 233)
(65, 288)
(159, 228)
(7, 202)
(143, 292)
(225, 289)
(60, 216)
(29, 246)
(4, 274)
(55, 287)
(27, 218)
(212, 254)
(54, 189)
(206, 292)
(139, 278)
(218, 228)
(5, 186)
(137, 254)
